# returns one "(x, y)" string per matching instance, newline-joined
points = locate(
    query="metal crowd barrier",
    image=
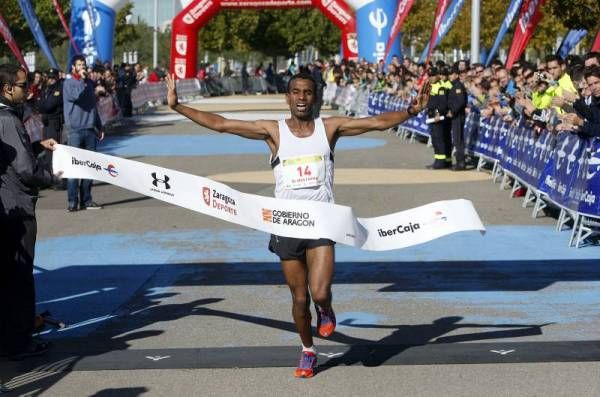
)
(108, 109)
(559, 169)
(150, 93)
(415, 126)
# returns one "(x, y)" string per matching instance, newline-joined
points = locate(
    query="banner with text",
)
(528, 20)
(290, 218)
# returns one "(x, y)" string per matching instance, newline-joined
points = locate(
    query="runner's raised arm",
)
(347, 126)
(259, 130)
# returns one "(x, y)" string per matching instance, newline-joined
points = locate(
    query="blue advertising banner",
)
(36, 30)
(589, 200)
(373, 25)
(485, 137)
(512, 11)
(449, 17)
(471, 131)
(542, 151)
(381, 102)
(510, 151)
(560, 172)
(92, 26)
(505, 128)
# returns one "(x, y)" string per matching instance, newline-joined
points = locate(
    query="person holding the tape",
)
(302, 148)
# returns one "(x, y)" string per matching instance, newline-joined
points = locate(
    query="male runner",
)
(302, 146)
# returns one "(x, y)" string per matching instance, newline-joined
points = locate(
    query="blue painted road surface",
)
(500, 275)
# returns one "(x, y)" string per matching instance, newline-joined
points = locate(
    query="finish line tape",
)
(290, 218)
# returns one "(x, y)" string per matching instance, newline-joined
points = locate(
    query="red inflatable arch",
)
(184, 42)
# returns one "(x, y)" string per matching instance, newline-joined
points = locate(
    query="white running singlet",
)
(303, 167)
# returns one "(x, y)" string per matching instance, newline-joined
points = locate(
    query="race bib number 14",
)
(303, 171)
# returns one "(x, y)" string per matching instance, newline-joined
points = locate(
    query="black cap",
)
(433, 71)
(455, 70)
(52, 73)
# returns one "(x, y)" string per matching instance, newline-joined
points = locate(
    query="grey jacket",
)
(20, 173)
(79, 105)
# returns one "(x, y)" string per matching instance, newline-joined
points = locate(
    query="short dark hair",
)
(8, 74)
(76, 58)
(577, 72)
(554, 58)
(497, 62)
(593, 71)
(592, 54)
(302, 76)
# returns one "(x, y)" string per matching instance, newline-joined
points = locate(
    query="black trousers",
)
(17, 291)
(124, 99)
(52, 129)
(441, 141)
(458, 137)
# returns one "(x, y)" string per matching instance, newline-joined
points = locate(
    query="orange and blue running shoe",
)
(306, 366)
(325, 321)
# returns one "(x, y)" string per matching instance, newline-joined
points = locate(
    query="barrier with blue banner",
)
(564, 168)
(380, 102)
(589, 197)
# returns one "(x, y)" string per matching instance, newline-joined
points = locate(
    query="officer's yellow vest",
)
(440, 85)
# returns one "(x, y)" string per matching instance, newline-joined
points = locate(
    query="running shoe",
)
(306, 366)
(325, 321)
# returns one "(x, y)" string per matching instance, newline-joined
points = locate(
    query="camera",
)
(542, 77)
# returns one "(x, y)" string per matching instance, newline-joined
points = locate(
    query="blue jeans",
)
(80, 190)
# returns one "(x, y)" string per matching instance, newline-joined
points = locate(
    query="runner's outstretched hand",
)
(172, 100)
(422, 98)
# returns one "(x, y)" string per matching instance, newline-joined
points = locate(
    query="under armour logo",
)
(164, 181)
(378, 20)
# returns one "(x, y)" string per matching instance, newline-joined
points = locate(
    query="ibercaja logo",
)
(412, 227)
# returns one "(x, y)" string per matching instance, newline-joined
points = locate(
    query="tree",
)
(47, 16)
(125, 32)
(272, 32)
(417, 29)
(577, 14)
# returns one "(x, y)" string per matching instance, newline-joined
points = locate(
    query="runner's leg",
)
(296, 276)
(320, 262)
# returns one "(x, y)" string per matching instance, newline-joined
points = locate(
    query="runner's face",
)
(301, 98)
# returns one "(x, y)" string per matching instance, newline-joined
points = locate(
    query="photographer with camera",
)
(558, 81)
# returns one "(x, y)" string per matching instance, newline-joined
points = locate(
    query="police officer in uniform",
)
(437, 110)
(50, 105)
(457, 102)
